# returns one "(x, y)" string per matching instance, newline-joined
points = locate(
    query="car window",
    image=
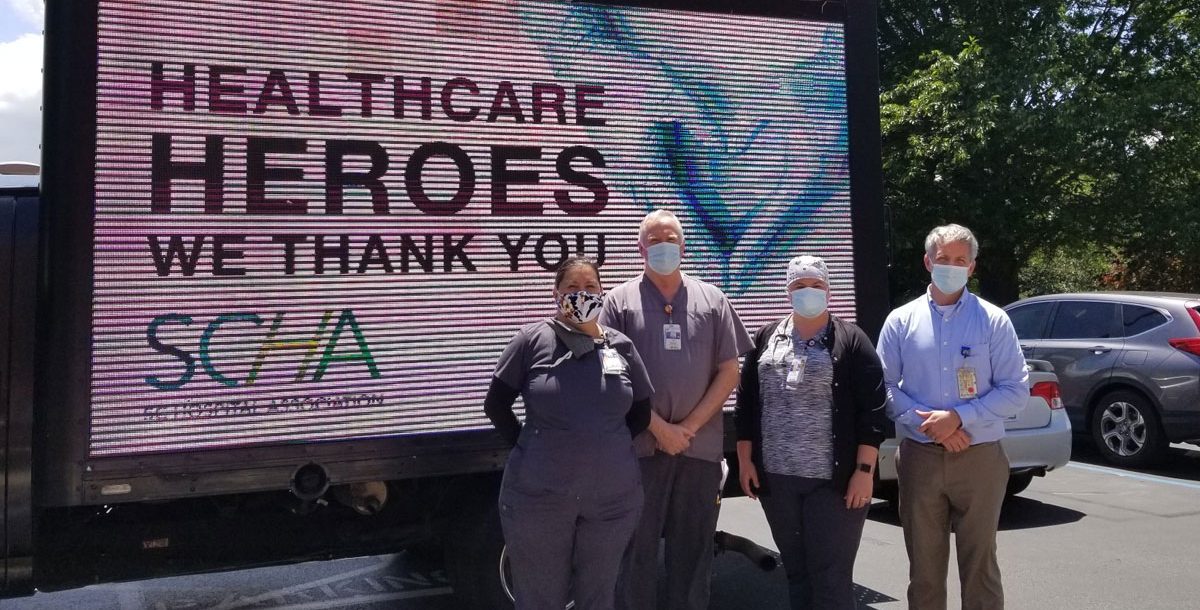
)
(1085, 320)
(1139, 319)
(1030, 320)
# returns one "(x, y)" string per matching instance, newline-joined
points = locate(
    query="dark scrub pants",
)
(572, 491)
(552, 534)
(817, 537)
(682, 499)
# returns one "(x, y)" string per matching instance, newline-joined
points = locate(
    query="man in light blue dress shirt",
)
(954, 373)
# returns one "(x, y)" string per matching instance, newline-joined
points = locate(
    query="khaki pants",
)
(961, 492)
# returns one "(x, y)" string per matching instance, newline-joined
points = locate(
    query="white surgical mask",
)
(809, 302)
(663, 257)
(581, 307)
(949, 278)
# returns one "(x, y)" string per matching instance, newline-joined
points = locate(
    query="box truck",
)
(253, 306)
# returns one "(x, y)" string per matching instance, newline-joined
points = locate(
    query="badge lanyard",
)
(967, 382)
(672, 332)
(610, 360)
(795, 374)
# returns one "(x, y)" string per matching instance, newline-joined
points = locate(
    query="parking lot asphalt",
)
(1085, 536)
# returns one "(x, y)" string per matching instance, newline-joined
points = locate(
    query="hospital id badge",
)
(796, 373)
(966, 383)
(672, 337)
(611, 361)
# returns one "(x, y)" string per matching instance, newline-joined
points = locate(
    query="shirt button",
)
(945, 369)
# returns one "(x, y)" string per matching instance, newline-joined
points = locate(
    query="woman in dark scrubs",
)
(572, 491)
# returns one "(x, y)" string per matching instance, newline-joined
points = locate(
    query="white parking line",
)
(245, 602)
(367, 599)
(1133, 475)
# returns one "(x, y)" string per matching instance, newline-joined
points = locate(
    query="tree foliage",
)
(1047, 127)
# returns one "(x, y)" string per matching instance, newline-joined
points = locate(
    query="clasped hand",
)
(944, 427)
(673, 439)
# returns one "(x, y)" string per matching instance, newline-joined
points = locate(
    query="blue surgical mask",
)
(949, 278)
(663, 258)
(809, 302)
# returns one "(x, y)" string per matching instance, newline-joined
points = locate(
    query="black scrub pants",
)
(817, 537)
(567, 546)
(682, 505)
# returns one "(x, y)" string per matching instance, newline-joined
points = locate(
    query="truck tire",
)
(1126, 429)
(474, 548)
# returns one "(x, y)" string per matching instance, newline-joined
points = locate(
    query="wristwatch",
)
(864, 467)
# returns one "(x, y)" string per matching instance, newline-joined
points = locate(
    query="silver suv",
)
(1128, 366)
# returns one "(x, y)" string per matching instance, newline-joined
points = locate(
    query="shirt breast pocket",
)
(979, 359)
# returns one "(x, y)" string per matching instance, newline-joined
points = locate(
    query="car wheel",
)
(1017, 483)
(1127, 431)
(888, 491)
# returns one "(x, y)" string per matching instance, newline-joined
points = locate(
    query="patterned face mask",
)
(581, 307)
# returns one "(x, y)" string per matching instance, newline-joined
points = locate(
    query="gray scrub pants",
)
(682, 504)
(564, 546)
(818, 540)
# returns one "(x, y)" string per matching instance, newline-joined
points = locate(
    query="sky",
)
(21, 79)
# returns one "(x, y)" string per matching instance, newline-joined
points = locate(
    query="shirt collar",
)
(786, 329)
(685, 280)
(962, 300)
(580, 344)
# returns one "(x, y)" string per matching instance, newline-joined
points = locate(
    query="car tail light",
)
(1191, 345)
(1048, 391)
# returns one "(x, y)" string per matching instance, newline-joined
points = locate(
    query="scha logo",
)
(322, 340)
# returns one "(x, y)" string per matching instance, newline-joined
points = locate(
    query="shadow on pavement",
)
(1018, 513)
(1021, 513)
(867, 596)
(738, 583)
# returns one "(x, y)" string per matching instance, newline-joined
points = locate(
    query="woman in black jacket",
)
(810, 418)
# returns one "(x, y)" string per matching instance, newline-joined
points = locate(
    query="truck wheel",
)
(1127, 431)
(474, 561)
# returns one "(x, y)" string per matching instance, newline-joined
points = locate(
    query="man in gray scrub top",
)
(690, 338)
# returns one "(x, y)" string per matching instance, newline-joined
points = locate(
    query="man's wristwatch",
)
(863, 467)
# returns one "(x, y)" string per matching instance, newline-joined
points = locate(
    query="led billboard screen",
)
(322, 220)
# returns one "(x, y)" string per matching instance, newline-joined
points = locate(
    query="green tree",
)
(1076, 269)
(1045, 126)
